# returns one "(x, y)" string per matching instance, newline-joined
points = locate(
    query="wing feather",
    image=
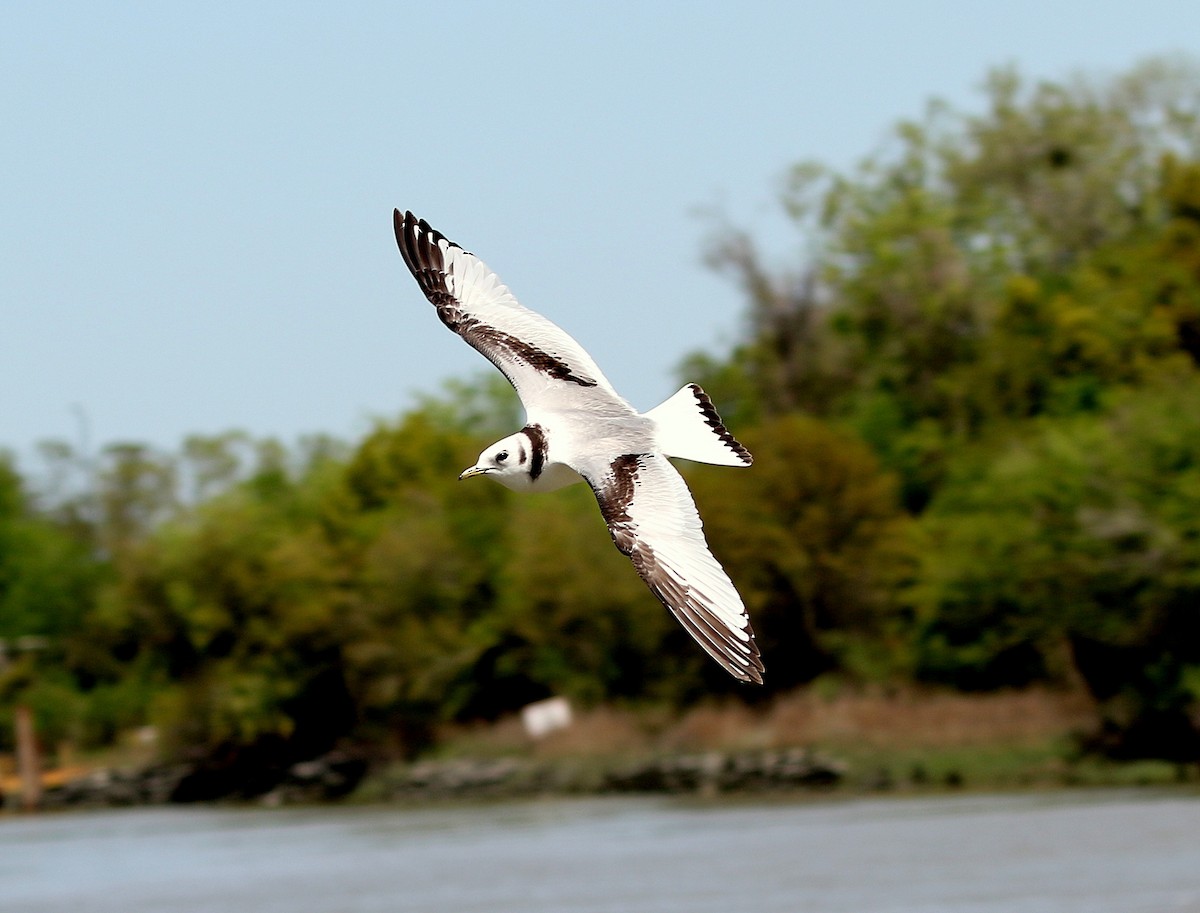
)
(540, 360)
(653, 520)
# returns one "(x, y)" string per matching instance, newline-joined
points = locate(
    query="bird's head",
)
(507, 461)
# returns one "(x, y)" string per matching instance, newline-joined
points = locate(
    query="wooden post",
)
(28, 767)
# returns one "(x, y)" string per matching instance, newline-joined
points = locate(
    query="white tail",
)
(689, 428)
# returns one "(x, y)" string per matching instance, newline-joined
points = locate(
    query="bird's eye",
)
(502, 456)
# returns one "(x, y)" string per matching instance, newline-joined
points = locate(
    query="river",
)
(1070, 852)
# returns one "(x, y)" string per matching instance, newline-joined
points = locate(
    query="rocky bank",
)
(337, 777)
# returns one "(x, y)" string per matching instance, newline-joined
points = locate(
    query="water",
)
(1068, 853)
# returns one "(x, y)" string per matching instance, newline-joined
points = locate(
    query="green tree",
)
(135, 489)
(815, 537)
(574, 614)
(1005, 306)
(923, 257)
(223, 617)
(214, 463)
(1076, 551)
(47, 583)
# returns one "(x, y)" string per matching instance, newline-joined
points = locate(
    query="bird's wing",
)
(542, 362)
(652, 518)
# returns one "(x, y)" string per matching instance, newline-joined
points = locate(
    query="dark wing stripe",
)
(704, 627)
(738, 662)
(419, 246)
(737, 656)
(615, 495)
(713, 420)
(488, 339)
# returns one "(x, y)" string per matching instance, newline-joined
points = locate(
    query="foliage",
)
(973, 406)
(1004, 306)
(954, 276)
(1076, 550)
(814, 536)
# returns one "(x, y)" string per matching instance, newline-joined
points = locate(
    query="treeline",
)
(975, 413)
(1005, 307)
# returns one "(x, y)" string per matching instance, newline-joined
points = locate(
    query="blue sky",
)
(195, 199)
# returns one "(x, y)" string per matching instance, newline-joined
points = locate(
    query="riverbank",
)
(829, 738)
(851, 741)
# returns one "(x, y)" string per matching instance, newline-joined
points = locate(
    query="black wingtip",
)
(403, 223)
(713, 420)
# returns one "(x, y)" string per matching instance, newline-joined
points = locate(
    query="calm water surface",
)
(1067, 853)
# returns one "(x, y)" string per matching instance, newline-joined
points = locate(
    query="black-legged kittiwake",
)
(578, 426)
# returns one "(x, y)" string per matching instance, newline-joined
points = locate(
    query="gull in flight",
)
(579, 427)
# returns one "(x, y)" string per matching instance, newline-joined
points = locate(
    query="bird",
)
(578, 428)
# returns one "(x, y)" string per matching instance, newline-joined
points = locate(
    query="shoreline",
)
(842, 741)
(338, 780)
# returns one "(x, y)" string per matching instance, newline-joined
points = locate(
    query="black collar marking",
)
(537, 438)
